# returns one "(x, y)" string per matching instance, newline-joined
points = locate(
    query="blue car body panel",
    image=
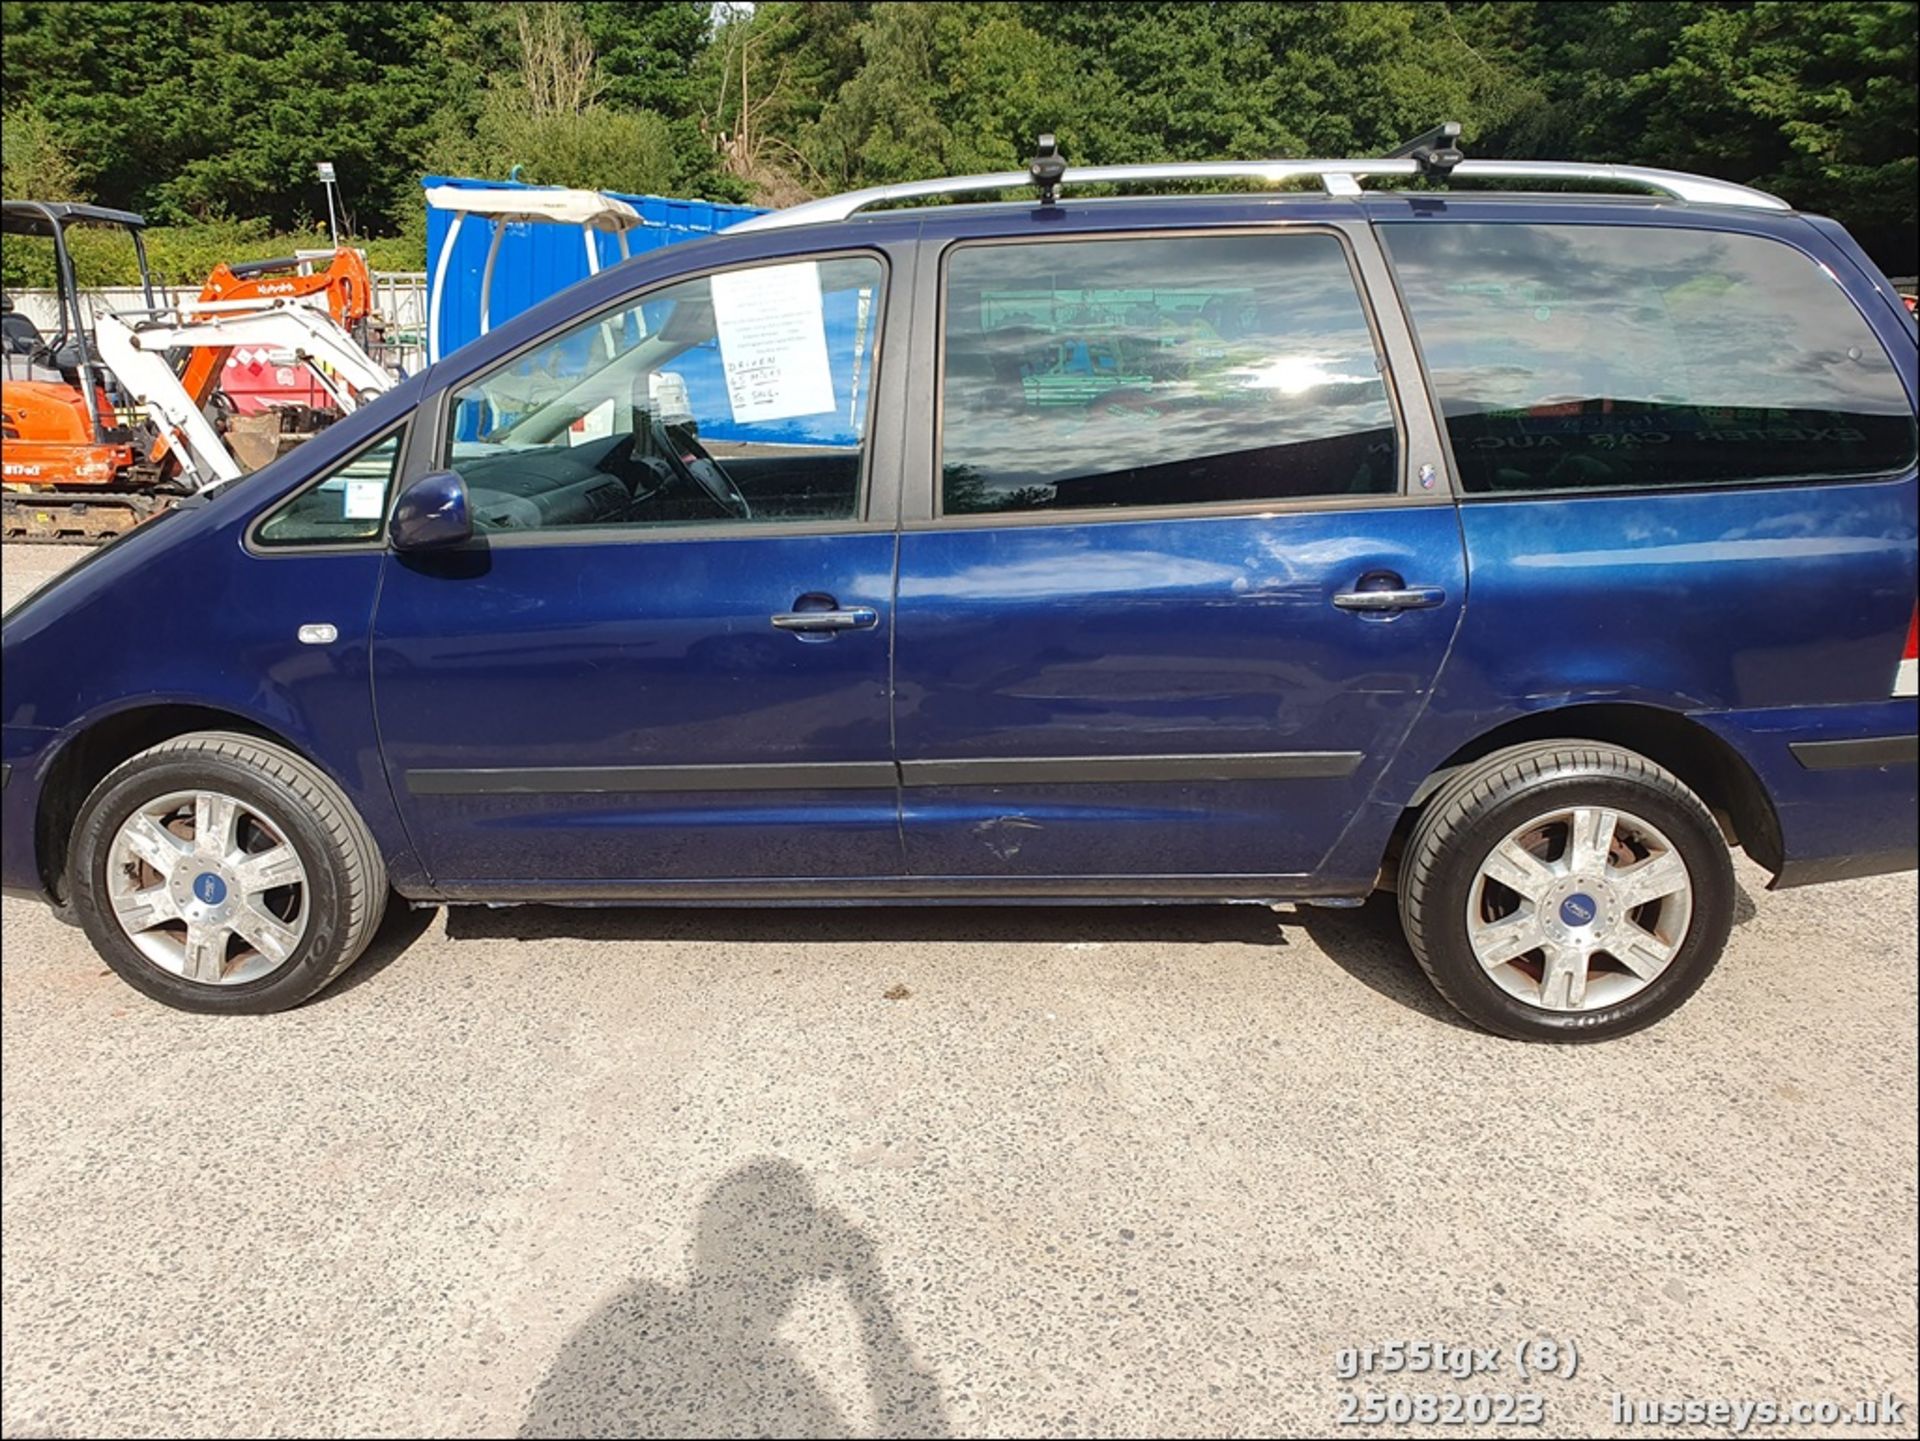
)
(1853, 819)
(1770, 616)
(622, 655)
(1790, 601)
(1149, 640)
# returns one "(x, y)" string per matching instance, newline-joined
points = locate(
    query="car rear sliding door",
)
(1186, 573)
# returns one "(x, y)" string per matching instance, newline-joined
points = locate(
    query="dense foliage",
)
(214, 113)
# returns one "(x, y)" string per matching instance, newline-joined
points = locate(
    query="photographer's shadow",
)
(707, 1360)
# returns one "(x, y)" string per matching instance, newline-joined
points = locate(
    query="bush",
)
(594, 148)
(181, 256)
(36, 165)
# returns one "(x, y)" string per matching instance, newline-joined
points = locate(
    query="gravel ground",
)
(998, 1171)
(22, 567)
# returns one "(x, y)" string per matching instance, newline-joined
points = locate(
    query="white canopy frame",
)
(507, 205)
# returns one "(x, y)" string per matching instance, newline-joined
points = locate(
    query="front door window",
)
(733, 398)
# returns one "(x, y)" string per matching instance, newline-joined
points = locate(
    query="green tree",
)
(595, 148)
(1812, 101)
(196, 111)
(1815, 101)
(547, 117)
(648, 52)
(821, 96)
(765, 79)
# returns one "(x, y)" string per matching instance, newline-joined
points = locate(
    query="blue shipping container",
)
(540, 259)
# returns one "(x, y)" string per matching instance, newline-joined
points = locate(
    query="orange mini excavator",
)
(102, 430)
(62, 437)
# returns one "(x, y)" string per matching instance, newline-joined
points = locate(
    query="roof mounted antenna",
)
(1046, 167)
(1436, 152)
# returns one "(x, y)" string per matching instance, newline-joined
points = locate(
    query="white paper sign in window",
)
(364, 500)
(773, 341)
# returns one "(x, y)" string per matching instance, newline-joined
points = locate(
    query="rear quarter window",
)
(1593, 357)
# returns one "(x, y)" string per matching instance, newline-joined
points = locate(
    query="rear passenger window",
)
(1195, 370)
(1571, 357)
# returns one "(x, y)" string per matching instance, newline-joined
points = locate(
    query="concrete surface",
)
(1145, 1172)
(22, 567)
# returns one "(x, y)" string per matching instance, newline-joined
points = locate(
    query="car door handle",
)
(853, 617)
(1412, 597)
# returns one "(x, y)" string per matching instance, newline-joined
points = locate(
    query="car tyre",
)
(1604, 858)
(223, 874)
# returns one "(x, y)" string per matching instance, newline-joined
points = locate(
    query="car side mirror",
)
(432, 513)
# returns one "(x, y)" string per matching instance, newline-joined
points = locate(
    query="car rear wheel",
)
(1566, 891)
(224, 874)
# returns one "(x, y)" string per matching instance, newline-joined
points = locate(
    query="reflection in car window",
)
(349, 505)
(1162, 371)
(741, 396)
(1570, 357)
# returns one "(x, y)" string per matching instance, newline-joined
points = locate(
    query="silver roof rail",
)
(1338, 177)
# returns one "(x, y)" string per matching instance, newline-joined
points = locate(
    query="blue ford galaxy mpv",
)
(1519, 552)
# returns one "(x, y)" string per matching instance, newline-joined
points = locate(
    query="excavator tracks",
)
(74, 517)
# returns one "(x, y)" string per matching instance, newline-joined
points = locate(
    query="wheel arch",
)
(1706, 763)
(86, 757)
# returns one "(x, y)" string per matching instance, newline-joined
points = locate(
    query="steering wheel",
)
(689, 460)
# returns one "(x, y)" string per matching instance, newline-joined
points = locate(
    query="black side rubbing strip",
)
(829, 775)
(1872, 752)
(1069, 770)
(879, 775)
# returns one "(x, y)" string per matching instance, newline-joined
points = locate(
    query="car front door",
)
(1188, 569)
(663, 660)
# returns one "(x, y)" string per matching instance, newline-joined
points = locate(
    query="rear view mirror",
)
(432, 513)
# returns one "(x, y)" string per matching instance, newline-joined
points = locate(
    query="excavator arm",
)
(345, 286)
(344, 289)
(135, 344)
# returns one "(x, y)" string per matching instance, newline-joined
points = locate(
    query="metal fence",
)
(399, 304)
(400, 300)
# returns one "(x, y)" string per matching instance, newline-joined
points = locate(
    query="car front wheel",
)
(224, 874)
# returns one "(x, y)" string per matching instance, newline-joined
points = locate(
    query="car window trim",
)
(655, 534)
(862, 521)
(1403, 493)
(250, 539)
(1705, 487)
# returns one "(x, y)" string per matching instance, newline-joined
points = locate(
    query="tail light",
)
(1906, 675)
